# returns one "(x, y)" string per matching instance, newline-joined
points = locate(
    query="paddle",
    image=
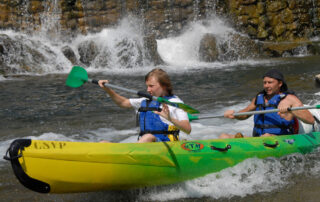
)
(78, 76)
(191, 117)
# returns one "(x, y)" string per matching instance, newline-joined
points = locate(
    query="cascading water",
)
(50, 21)
(113, 48)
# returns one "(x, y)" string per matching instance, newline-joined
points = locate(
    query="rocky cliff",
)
(265, 28)
(273, 20)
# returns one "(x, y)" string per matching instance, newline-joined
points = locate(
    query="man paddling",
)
(158, 122)
(275, 94)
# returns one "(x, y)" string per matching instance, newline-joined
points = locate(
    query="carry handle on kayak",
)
(221, 149)
(271, 145)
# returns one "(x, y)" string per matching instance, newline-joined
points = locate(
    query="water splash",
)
(117, 49)
(183, 50)
(249, 177)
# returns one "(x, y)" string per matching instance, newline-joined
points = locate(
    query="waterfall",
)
(196, 10)
(50, 20)
(47, 48)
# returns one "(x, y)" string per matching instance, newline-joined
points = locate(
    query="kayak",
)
(66, 167)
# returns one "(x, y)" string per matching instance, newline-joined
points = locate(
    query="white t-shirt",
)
(175, 112)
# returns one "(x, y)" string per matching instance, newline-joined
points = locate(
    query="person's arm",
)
(251, 107)
(116, 98)
(292, 101)
(183, 125)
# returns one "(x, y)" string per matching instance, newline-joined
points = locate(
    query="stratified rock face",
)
(271, 28)
(160, 17)
(277, 20)
(273, 20)
(26, 57)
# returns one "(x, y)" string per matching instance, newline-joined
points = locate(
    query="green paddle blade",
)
(77, 77)
(185, 107)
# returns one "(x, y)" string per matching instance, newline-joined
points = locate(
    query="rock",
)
(151, 50)
(272, 20)
(88, 51)
(104, 58)
(19, 54)
(291, 48)
(208, 51)
(239, 47)
(70, 55)
(317, 80)
(129, 53)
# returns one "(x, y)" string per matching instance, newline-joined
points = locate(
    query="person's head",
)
(158, 83)
(273, 82)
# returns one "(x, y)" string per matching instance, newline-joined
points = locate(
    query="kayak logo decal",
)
(49, 145)
(192, 146)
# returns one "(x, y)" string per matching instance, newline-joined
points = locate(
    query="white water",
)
(251, 176)
(120, 49)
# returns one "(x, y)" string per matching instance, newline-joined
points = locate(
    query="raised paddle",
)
(78, 76)
(191, 117)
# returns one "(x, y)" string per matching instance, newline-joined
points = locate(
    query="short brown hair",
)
(162, 77)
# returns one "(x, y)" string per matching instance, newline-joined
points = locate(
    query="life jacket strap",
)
(264, 105)
(316, 119)
(146, 109)
(265, 126)
(165, 132)
(172, 133)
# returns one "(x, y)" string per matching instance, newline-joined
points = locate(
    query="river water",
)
(41, 106)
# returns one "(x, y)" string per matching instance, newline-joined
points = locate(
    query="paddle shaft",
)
(140, 93)
(78, 76)
(259, 112)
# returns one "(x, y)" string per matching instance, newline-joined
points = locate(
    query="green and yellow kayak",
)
(63, 167)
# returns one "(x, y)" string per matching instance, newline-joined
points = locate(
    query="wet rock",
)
(239, 47)
(18, 54)
(151, 50)
(104, 58)
(314, 48)
(129, 53)
(88, 50)
(208, 51)
(317, 80)
(274, 6)
(70, 55)
(280, 49)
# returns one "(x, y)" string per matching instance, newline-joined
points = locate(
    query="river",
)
(41, 106)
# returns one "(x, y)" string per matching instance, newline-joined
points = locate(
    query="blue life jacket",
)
(150, 122)
(271, 122)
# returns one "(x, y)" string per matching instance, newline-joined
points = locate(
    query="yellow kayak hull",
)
(64, 167)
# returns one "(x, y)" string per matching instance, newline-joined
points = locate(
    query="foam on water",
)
(249, 177)
(2, 78)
